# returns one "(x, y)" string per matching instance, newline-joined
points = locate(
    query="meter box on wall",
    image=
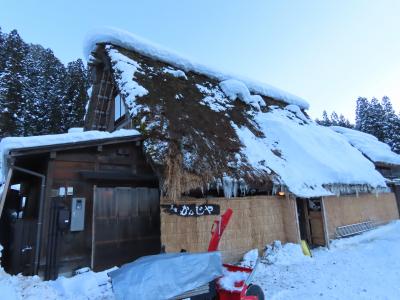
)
(78, 214)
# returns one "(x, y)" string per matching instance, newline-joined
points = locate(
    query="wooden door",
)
(397, 193)
(311, 221)
(126, 225)
(317, 228)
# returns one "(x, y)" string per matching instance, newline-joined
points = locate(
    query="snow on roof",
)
(11, 143)
(134, 43)
(369, 145)
(308, 158)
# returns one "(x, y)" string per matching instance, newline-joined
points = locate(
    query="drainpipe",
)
(40, 217)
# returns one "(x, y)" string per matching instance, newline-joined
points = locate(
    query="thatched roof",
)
(378, 152)
(203, 127)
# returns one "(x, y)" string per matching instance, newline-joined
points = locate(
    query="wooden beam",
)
(325, 222)
(5, 190)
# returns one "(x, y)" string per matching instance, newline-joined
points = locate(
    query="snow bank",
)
(309, 159)
(287, 254)
(249, 258)
(131, 42)
(360, 267)
(369, 145)
(10, 143)
(88, 285)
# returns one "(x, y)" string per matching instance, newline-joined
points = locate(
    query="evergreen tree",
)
(2, 51)
(391, 125)
(361, 113)
(38, 94)
(12, 80)
(325, 119)
(76, 94)
(343, 122)
(334, 119)
(374, 122)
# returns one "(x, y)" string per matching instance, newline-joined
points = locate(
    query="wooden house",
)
(207, 141)
(72, 200)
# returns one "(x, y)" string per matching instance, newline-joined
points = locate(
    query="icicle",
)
(274, 189)
(227, 186)
(243, 187)
(234, 187)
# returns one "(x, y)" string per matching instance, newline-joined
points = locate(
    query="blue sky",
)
(328, 52)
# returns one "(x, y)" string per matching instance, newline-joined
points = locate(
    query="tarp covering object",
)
(163, 276)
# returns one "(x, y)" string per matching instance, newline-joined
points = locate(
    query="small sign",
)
(70, 191)
(191, 210)
(61, 191)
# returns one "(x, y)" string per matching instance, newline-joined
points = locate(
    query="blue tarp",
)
(163, 276)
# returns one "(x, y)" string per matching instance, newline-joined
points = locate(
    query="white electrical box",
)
(77, 214)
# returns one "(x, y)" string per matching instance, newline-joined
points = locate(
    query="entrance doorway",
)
(126, 225)
(397, 193)
(311, 221)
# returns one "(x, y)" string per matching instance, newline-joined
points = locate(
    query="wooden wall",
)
(345, 210)
(65, 169)
(256, 222)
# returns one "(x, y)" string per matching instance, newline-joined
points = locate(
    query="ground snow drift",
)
(361, 267)
(366, 266)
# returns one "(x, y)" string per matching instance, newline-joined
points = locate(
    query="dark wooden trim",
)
(116, 176)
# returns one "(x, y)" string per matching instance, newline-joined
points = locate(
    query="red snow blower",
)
(242, 289)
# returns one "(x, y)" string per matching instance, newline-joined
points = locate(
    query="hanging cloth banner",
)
(191, 210)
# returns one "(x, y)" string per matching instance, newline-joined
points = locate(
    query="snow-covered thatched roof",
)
(140, 45)
(370, 146)
(203, 127)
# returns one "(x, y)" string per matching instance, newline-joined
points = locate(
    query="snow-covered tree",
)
(76, 94)
(362, 108)
(12, 79)
(38, 94)
(391, 125)
(334, 120)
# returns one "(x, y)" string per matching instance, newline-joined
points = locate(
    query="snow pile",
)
(10, 143)
(236, 89)
(250, 258)
(175, 73)
(88, 285)
(369, 145)
(284, 255)
(360, 267)
(131, 42)
(227, 282)
(214, 98)
(311, 160)
(125, 69)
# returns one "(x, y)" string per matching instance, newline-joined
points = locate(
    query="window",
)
(119, 108)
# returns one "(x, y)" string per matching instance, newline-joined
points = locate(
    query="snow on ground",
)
(366, 266)
(369, 145)
(362, 267)
(89, 285)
